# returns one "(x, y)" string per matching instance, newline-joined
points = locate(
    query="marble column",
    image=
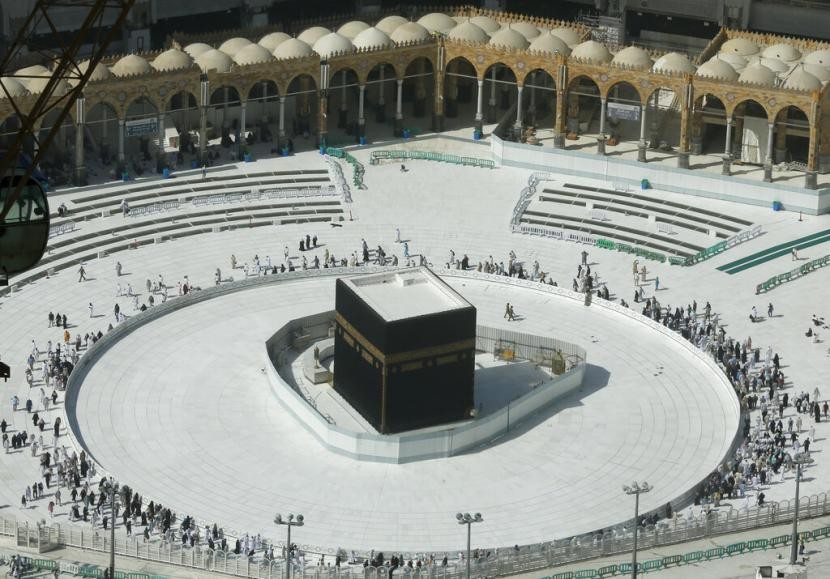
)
(727, 153)
(519, 117)
(399, 109)
(601, 139)
(642, 145)
(479, 105)
(80, 127)
(770, 147)
(361, 120)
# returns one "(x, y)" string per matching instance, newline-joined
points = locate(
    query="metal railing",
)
(264, 194)
(152, 208)
(61, 228)
(794, 274)
(722, 246)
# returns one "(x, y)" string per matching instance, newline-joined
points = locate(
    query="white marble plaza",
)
(192, 380)
(180, 424)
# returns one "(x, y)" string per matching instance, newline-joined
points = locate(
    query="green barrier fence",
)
(378, 156)
(802, 270)
(638, 251)
(693, 557)
(357, 166)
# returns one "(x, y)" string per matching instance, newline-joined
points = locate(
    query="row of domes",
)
(740, 59)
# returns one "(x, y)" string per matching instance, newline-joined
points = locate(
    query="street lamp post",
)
(111, 487)
(636, 489)
(289, 521)
(468, 519)
(799, 459)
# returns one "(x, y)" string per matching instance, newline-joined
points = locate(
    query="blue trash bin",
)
(322, 149)
(406, 133)
(477, 135)
(194, 164)
(776, 206)
(362, 140)
(644, 184)
(125, 176)
(165, 173)
(247, 158)
(285, 151)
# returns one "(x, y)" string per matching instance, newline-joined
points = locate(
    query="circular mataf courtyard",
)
(181, 409)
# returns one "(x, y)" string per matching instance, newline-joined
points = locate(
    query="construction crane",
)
(24, 210)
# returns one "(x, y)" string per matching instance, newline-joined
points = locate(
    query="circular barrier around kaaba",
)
(176, 403)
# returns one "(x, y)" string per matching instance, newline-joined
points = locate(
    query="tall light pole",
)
(289, 521)
(468, 519)
(799, 459)
(111, 487)
(636, 489)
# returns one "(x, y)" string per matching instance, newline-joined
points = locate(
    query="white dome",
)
(820, 72)
(800, 79)
(674, 62)
(352, 29)
(172, 59)
(233, 45)
(740, 46)
(36, 70)
(313, 34)
(13, 86)
(271, 41)
(252, 54)
(372, 38)
(775, 65)
(197, 48)
(130, 65)
(782, 51)
(101, 72)
(410, 32)
(437, 22)
(36, 85)
(332, 43)
(509, 38)
(468, 32)
(486, 23)
(633, 56)
(568, 35)
(549, 43)
(733, 59)
(390, 24)
(757, 74)
(292, 48)
(526, 29)
(821, 57)
(592, 51)
(214, 60)
(717, 69)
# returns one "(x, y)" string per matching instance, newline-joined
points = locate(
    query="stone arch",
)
(144, 101)
(380, 81)
(583, 96)
(708, 134)
(663, 118)
(181, 111)
(343, 97)
(460, 85)
(57, 161)
(101, 132)
(540, 88)
(623, 121)
(792, 135)
(419, 85)
(369, 73)
(750, 131)
(628, 89)
(301, 105)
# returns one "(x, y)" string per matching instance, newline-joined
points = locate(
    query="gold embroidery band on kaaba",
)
(419, 354)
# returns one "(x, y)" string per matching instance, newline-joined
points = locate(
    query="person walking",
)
(397, 235)
(769, 310)
(91, 310)
(118, 268)
(584, 257)
(81, 274)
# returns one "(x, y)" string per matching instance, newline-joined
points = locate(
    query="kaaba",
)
(404, 349)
